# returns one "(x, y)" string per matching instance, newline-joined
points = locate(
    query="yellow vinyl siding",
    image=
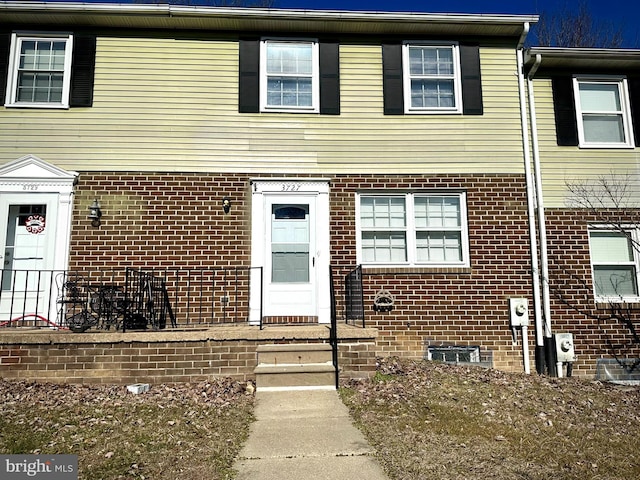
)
(570, 165)
(172, 105)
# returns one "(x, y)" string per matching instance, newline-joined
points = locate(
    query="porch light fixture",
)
(95, 213)
(226, 204)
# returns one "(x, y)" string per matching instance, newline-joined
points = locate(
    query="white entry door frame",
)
(36, 203)
(290, 241)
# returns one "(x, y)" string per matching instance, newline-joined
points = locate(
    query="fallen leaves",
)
(433, 420)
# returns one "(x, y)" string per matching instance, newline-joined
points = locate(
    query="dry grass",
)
(188, 431)
(426, 420)
(430, 420)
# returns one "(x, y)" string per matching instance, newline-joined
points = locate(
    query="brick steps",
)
(295, 367)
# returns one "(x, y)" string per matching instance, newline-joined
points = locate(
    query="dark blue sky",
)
(621, 13)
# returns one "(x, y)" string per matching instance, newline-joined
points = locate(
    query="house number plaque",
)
(290, 187)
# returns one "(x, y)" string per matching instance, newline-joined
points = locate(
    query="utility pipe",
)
(535, 277)
(547, 341)
(525, 349)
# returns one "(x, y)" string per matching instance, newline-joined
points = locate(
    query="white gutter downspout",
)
(530, 200)
(542, 229)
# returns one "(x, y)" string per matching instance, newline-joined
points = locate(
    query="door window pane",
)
(24, 243)
(290, 243)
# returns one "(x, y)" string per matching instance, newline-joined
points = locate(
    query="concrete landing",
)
(305, 434)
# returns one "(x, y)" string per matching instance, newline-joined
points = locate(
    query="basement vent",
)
(459, 354)
(454, 354)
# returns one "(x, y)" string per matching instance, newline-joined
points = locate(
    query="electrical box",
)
(518, 312)
(565, 351)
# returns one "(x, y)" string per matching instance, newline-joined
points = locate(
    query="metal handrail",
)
(39, 298)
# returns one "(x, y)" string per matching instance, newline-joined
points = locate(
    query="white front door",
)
(27, 236)
(290, 241)
(290, 288)
(35, 224)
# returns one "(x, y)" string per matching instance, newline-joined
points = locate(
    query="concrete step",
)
(295, 353)
(295, 367)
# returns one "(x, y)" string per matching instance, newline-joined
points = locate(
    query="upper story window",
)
(289, 76)
(424, 77)
(614, 260)
(431, 78)
(413, 229)
(39, 73)
(603, 112)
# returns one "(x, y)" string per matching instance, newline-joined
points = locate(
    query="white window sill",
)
(601, 146)
(58, 106)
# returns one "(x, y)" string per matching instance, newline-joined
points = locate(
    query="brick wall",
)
(450, 306)
(176, 220)
(162, 220)
(162, 357)
(597, 334)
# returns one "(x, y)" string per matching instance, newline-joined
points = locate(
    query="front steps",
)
(295, 366)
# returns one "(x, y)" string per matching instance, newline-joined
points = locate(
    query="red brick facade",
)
(177, 221)
(573, 306)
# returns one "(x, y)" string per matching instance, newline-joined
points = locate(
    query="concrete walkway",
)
(305, 435)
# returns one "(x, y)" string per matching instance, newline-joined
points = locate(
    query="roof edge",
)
(275, 13)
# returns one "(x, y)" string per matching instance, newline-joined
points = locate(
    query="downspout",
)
(544, 346)
(535, 278)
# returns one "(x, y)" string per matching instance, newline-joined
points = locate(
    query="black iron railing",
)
(130, 298)
(333, 331)
(354, 297)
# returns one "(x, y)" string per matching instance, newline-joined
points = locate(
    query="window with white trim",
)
(40, 71)
(614, 262)
(412, 229)
(603, 112)
(289, 72)
(431, 78)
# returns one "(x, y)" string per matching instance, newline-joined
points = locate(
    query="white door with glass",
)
(290, 245)
(290, 257)
(27, 229)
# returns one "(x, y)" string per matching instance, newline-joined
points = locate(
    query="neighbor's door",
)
(290, 258)
(27, 231)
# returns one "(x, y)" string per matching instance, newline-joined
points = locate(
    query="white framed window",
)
(39, 71)
(289, 71)
(431, 78)
(603, 112)
(412, 229)
(614, 263)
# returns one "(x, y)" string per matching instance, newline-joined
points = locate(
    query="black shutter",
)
(471, 80)
(82, 70)
(5, 46)
(392, 79)
(249, 79)
(329, 77)
(634, 99)
(564, 109)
